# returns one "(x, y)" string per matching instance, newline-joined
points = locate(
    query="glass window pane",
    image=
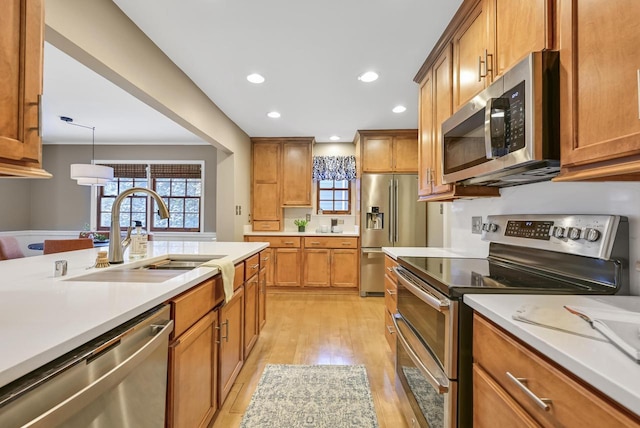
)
(194, 187)
(106, 204)
(326, 205)
(326, 184)
(342, 195)
(140, 217)
(125, 205)
(141, 182)
(139, 205)
(163, 186)
(160, 223)
(342, 205)
(326, 195)
(176, 205)
(191, 221)
(176, 220)
(125, 183)
(111, 188)
(341, 184)
(125, 220)
(105, 220)
(192, 205)
(178, 187)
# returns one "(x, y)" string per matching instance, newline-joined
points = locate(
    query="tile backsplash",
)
(291, 214)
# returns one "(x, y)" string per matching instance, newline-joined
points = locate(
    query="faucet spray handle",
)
(127, 240)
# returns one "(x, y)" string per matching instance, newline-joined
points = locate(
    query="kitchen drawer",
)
(573, 404)
(390, 332)
(389, 264)
(390, 294)
(265, 259)
(192, 305)
(330, 242)
(251, 266)
(277, 241)
(493, 407)
(238, 276)
(266, 226)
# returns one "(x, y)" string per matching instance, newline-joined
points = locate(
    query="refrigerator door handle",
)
(391, 211)
(395, 210)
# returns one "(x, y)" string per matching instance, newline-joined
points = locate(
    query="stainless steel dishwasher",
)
(117, 380)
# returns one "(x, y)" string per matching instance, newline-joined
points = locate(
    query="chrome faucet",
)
(117, 247)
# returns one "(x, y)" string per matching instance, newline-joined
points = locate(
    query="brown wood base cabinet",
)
(330, 262)
(390, 302)
(505, 369)
(193, 356)
(231, 342)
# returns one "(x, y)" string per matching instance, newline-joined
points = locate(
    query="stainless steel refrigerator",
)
(390, 216)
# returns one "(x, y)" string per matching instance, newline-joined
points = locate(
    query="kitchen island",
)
(43, 317)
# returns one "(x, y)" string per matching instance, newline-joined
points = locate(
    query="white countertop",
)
(303, 234)
(600, 364)
(396, 252)
(42, 317)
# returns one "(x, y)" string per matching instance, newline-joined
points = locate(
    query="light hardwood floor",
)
(320, 328)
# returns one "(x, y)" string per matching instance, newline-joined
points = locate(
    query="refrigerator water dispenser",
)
(375, 219)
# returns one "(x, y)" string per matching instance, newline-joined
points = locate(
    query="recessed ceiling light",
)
(255, 78)
(368, 76)
(334, 138)
(399, 109)
(273, 114)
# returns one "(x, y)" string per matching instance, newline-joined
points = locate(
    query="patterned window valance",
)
(334, 168)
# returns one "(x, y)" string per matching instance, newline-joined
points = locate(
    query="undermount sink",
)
(158, 271)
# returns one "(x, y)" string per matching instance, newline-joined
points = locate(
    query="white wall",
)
(621, 198)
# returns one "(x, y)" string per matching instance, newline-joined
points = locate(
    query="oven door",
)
(433, 317)
(430, 393)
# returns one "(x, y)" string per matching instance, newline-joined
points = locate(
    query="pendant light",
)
(89, 174)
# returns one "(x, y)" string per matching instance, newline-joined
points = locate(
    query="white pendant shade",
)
(89, 174)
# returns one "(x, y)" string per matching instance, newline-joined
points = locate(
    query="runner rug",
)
(318, 396)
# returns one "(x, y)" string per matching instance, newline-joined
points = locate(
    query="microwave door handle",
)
(495, 145)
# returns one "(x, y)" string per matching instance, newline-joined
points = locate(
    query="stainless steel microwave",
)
(509, 133)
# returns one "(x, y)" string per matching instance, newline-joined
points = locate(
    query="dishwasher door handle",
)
(87, 395)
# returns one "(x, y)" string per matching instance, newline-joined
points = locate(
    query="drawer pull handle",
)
(346, 243)
(315, 243)
(543, 403)
(255, 266)
(288, 243)
(390, 329)
(390, 269)
(266, 259)
(391, 292)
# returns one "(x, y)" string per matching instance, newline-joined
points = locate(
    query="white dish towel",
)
(228, 271)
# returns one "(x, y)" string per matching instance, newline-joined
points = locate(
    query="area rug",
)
(318, 396)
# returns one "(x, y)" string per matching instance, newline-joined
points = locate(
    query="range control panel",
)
(587, 235)
(529, 229)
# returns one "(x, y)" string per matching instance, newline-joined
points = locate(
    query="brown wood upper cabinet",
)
(435, 106)
(273, 185)
(493, 36)
(600, 90)
(21, 47)
(388, 150)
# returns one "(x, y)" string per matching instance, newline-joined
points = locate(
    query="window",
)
(334, 196)
(179, 185)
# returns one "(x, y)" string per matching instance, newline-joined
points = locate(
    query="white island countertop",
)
(599, 364)
(42, 317)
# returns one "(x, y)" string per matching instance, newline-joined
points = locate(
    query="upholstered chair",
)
(61, 245)
(9, 248)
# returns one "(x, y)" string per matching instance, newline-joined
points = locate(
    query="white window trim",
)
(94, 190)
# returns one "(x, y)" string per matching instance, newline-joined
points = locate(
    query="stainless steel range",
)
(531, 254)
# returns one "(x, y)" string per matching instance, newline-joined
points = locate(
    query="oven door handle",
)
(440, 387)
(441, 305)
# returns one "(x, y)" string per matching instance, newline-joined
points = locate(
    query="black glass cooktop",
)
(455, 277)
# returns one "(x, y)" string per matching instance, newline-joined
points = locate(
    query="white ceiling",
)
(310, 52)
